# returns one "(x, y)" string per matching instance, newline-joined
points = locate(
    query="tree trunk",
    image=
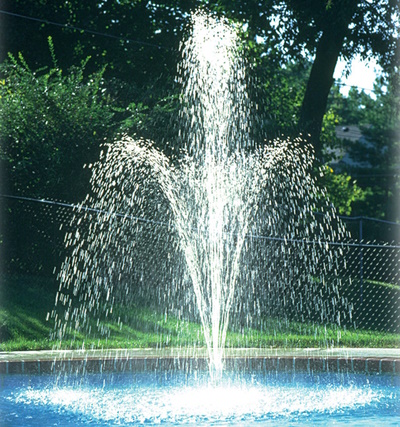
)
(318, 87)
(313, 108)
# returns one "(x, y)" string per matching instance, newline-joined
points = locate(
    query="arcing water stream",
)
(221, 191)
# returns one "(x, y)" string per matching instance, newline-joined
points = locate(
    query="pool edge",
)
(381, 361)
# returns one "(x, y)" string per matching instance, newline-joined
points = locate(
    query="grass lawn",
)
(26, 301)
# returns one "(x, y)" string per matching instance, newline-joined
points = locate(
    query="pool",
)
(182, 398)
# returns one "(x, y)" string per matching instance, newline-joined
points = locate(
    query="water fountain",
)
(229, 227)
(221, 191)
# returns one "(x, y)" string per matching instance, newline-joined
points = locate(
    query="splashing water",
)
(218, 194)
(177, 403)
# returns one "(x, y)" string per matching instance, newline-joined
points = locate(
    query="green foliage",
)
(155, 122)
(283, 89)
(323, 30)
(328, 131)
(376, 156)
(51, 123)
(342, 191)
(137, 40)
(296, 26)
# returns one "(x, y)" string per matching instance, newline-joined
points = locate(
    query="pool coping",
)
(355, 360)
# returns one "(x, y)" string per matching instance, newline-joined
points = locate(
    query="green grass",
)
(26, 302)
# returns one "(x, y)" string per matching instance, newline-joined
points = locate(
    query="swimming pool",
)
(179, 398)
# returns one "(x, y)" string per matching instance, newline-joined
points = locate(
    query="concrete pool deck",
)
(365, 360)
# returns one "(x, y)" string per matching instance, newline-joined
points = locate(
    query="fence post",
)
(361, 259)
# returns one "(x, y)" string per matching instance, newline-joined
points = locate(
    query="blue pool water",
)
(131, 399)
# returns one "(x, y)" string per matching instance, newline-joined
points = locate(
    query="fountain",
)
(226, 233)
(220, 193)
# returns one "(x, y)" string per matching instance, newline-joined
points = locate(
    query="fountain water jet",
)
(219, 191)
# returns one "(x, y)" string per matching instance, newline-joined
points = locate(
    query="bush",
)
(51, 124)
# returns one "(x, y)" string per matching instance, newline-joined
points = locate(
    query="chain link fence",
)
(361, 289)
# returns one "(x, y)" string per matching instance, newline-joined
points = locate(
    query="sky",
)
(363, 74)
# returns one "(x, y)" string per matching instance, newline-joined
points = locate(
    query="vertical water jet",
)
(217, 200)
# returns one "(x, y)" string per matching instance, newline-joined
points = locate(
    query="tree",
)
(376, 158)
(138, 40)
(51, 124)
(324, 31)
